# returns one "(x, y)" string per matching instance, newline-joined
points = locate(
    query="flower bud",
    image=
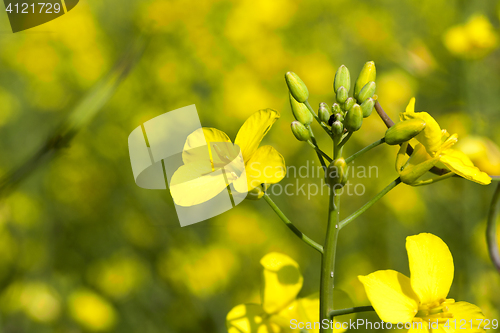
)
(367, 74)
(404, 131)
(367, 92)
(300, 131)
(300, 111)
(337, 127)
(339, 117)
(354, 119)
(336, 173)
(336, 108)
(323, 112)
(367, 107)
(342, 79)
(296, 87)
(409, 175)
(342, 94)
(349, 103)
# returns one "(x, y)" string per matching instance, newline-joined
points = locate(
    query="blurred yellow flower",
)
(37, 300)
(483, 152)
(119, 275)
(434, 146)
(91, 310)
(193, 183)
(202, 271)
(282, 283)
(395, 88)
(472, 40)
(421, 299)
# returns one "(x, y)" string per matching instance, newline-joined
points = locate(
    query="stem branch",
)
(370, 203)
(319, 151)
(364, 150)
(291, 226)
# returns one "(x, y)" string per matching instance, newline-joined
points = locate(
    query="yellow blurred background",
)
(82, 248)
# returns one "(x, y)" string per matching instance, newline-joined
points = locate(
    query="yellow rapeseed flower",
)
(91, 310)
(420, 301)
(434, 147)
(282, 283)
(473, 40)
(196, 182)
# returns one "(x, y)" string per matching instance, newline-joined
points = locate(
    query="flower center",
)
(436, 311)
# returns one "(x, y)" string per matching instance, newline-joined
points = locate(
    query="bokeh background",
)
(83, 249)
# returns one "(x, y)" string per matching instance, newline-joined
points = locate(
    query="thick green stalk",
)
(491, 230)
(370, 203)
(364, 150)
(328, 259)
(347, 311)
(291, 226)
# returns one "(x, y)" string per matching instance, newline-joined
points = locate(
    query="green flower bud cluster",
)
(345, 115)
(353, 109)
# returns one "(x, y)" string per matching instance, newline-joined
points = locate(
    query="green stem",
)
(357, 309)
(364, 150)
(291, 226)
(315, 143)
(370, 203)
(346, 138)
(491, 230)
(328, 258)
(327, 130)
(319, 151)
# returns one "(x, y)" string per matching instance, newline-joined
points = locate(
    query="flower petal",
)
(467, 313)
(430, 137)
(391, 295)
(195, 183)
(266, 166)
(282, 282)
(459, 163)
(203, 137)
(431, 267)
(249, 318)
(410, 108)
(253, 131)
